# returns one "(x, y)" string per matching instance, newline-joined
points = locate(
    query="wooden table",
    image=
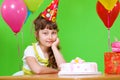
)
(56, 77)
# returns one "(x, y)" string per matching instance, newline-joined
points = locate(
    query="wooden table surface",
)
(56, 77)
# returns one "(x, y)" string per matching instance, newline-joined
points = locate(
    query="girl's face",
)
(47, 37)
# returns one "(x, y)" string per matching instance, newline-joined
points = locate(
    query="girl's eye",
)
(45, 33)
(54, 32)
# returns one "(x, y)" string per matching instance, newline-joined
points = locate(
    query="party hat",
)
(51, 11)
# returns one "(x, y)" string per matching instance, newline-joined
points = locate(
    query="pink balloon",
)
(14, 13)
(0, 10)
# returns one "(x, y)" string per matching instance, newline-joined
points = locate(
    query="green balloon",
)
(33, 5)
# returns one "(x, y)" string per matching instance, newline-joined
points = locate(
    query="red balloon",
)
(108, 17)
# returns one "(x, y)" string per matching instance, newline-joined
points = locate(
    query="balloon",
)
(108, 17)
(33, 5)
(0, 10)
(108, 4)
(14, 13)
(28, 14)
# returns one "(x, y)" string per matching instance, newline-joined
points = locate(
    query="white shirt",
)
(29, 51)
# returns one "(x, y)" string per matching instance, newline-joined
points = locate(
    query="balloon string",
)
(109, 40)
(18, 46)
(22, 40)
(22, 44)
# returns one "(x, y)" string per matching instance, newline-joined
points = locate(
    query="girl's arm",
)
(37, 68)
(58, 56)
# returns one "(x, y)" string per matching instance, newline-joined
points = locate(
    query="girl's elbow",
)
(37, 71)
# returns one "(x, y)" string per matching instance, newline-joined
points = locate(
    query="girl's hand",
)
(56, 42)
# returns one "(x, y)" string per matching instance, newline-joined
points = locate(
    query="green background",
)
(82, 34)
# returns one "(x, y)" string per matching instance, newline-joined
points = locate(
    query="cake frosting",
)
(116, 46)
(78, 66)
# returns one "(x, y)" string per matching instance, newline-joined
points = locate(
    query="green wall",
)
(82, 34)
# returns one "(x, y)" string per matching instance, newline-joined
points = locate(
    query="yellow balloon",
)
(108, 4)
(33, 5)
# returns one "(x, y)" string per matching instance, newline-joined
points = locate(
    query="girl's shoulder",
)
(29, 47)
(29, 51)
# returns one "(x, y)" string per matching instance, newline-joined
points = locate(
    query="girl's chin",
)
(49, 45)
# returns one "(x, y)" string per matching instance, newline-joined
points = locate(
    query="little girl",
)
(44, 56)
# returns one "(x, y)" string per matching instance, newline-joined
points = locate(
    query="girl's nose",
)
(50, 36)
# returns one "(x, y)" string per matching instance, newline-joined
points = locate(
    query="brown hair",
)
(40, 24)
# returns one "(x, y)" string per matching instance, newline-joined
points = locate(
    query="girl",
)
(44, 56)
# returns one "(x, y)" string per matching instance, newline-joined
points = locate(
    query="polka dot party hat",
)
(51, 11)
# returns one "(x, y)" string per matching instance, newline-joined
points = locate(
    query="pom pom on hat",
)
(51, 11)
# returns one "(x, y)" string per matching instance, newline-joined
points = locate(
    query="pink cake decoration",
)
(116, 46)
(77, 60)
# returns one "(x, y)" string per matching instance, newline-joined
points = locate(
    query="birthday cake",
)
(78, 66)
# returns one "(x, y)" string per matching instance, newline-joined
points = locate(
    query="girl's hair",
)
(40, 24)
